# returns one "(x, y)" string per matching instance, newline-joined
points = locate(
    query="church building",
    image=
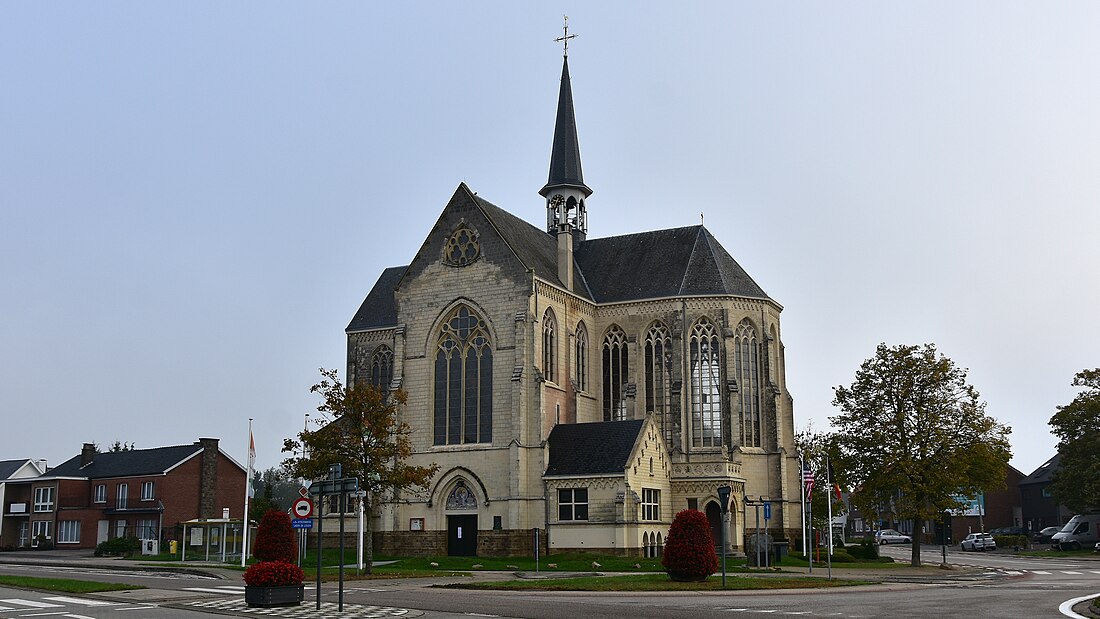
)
(586, 387)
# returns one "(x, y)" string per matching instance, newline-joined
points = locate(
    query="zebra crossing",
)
(223, 590)
(1048, 572)
(62, 606)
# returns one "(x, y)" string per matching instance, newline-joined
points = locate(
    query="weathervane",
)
(564, 39)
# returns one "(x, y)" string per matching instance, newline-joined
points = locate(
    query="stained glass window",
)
(658, 361)
(381, 368)
(706, 401)
(614, 375)
(549, 346)
(463, 380)
(748, 382)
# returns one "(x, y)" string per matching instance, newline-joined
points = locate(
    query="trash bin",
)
(779, 549)
(172, 547)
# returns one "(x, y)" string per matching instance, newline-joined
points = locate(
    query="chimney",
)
(565, 254)
(87, 454)
(208, 478)
(42, 465)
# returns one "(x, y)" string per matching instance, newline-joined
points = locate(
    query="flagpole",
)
(829, 504)
(251, 454)
(802, 478)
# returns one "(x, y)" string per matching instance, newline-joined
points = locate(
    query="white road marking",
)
(1070, 572)
(1045, 573)
(85, 602)
(79, 617)
(31, 603)
(1066, 608)
(222, 590)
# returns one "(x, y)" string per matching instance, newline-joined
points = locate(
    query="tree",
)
(365, 436)
(1077, 426)
(815, 447)
(913, 435)
(275, 489)
(689, 547)
(275, 538)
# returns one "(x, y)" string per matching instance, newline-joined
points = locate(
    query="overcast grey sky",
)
(196, 196)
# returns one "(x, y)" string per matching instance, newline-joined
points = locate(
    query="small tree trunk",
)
(915, 560)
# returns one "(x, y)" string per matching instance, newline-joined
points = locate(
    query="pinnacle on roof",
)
(565, 156)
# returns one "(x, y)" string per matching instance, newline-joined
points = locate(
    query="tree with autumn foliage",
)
(363, 434)
(689, 548)
(913, 435)
(1077, 426)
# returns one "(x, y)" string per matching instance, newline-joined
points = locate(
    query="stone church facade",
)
(586, 388)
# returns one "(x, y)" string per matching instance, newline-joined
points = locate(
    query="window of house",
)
(123, 492)
(463, 380)
(147, 529)
(614, 375)
(1046, 492)
(120, 528)
(651, 504)
(706, 396)
(147, 491)
(100, 495)
(748, 383)
(693, 504)
(40, 532)
(68, 532)
(43, 499)
(573, 504)
(581, 358)
(658, 366)
(549, 346)
(381, 368)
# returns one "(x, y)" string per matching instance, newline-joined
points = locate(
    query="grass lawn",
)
(64, 585)
(660, 582)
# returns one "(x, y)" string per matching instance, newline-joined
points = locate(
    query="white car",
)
(890, 536)
(978, 541)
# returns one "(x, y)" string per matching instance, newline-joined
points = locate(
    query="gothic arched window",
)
(748, 383)
(658, 365)
(463, 380)
(706, 395)
(580, 357)
(381, 368)
(549, 346)
(614, 375)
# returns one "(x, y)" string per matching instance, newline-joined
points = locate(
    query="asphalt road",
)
(1001, 586)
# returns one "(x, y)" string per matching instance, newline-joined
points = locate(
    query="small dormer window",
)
(462, 247)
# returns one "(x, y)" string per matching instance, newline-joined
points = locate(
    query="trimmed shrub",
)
(275, 538)
(118, 547)
(273, 573)
(689, 547)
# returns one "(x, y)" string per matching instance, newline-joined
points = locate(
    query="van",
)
(1082, 531)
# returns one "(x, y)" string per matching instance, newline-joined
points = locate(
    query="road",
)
(1004, 586)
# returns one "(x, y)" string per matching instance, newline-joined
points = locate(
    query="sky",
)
(195, 197)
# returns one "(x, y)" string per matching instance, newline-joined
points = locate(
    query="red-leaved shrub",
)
(689, 547)
(275, 538)
(273, 573)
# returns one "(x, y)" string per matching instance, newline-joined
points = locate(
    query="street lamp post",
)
(724, 497)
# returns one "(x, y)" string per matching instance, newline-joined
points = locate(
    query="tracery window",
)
(580, 357)
(463, 380)
(462, 247)
(748, 382)
(461, 497)
(614, 375)
(549, 346)
(706, 404)
(381, 368)
(658, 361)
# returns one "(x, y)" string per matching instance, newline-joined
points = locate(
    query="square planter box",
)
(282, 595)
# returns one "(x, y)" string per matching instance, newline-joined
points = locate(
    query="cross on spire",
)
(564, 39)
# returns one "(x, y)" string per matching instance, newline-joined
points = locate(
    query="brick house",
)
(15, 500)
(143, 493)
(1040, 508)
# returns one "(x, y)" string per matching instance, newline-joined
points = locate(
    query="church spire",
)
(565, 190)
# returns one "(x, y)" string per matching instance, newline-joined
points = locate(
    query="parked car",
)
(1043, 535)
(890, 536)
(1082, 529)
(978, 541)
(1008, 531)
(1097, 547)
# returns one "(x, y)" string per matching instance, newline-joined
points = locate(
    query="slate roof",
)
(1045, 472)
(565, 155)
(379, 309)
(662, 263)
(592, 448)
(9, 467)
(125, 463)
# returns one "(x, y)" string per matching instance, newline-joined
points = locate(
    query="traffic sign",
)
(767, 510)
(335, 486)
(303, 508)
(303, 491)
(301, 523)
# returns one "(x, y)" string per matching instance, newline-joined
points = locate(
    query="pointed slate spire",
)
(565, 157)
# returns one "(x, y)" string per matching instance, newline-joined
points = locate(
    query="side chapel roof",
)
(592, 448)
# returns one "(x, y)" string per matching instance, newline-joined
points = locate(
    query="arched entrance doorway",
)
(461, 508)
(714, 517)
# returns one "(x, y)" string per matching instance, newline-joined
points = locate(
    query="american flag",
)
(808, 479)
